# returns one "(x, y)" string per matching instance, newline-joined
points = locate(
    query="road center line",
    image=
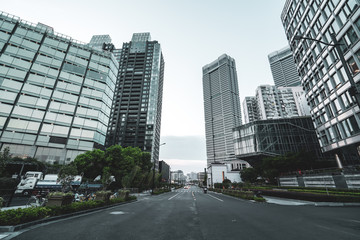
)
(216, 198)
(174, 196)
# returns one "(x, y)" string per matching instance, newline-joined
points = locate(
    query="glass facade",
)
(334, 111)
(275, 137)
(55, 92)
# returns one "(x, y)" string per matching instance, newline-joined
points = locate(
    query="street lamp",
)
(153, 178)
(353, 90)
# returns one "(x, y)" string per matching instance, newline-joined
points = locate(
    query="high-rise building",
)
(334, 110)
(222, 108)
(55, 92)
(250, 110)
(282, 102)
(283, 68)
(136, 109)
(271, 102)
(100, 41)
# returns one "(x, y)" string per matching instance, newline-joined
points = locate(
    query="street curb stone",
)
(28, 224)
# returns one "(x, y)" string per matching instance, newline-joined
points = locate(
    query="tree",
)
(130, 166)
(66, 175)
(226, 183)
(4, 159)
(120, 161)
(106, 178)
(249, 175)
(91, 163)
(205, 180)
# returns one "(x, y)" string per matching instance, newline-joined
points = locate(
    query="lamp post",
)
(153, 178)
(353, 90)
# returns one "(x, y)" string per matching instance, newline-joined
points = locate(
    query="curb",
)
(335, 204)
(45, 220)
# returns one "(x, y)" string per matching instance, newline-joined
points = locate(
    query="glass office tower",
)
(136, 110)
(334, 111)
(221, 108)
(55, 92)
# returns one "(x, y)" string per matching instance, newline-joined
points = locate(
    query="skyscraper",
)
(283, 68)
(55, 92)
(136, 110)
(334, 111)
(221, 107)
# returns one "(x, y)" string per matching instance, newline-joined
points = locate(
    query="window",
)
(353, 66)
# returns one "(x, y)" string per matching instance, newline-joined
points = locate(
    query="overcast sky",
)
(192, 33)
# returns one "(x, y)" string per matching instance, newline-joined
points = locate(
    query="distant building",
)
(178, 177)
(135, 117)
(283, 68)
(192, 176)
(218, 172)
(221, 107)
(100, 41)
(250, 110)
(55, 92)
(271, 102)
(164, 170)
(200, 177)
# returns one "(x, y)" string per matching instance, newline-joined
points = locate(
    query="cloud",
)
(186, 166)
(183, 147)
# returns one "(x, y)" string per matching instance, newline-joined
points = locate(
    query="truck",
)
(37, 181)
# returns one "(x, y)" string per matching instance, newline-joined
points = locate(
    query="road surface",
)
(191, 214)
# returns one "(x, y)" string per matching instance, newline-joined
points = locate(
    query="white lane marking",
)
(174, 196)
(216, 198)
(117, 213)
(3, 236)
(193, 196)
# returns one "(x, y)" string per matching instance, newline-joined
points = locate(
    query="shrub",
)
(160, 191)
(23, 215)
(55, 194)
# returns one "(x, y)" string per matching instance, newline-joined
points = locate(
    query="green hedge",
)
(24, 215)
(160, 191)
(248, 195)
(311, 196)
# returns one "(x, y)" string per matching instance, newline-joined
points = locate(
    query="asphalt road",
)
(191, 214)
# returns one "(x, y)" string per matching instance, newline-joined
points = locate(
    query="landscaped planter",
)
(59, 200)
(123, 194)
(102, 196)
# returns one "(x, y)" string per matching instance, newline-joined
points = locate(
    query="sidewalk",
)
(295, 202)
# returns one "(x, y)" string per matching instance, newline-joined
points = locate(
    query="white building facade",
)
(271, 102)
(283, 68)
(218, 172)
(221, 108)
